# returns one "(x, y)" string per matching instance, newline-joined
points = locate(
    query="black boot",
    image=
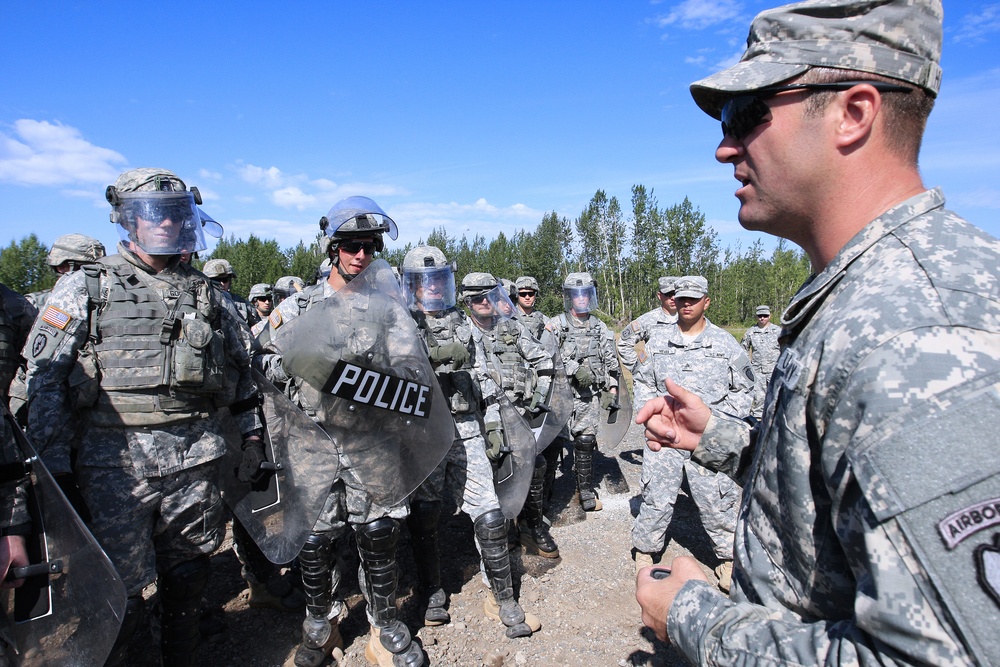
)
(180, 592)
(491, 531)
(423, 524)
(535, 536)
(583, 451)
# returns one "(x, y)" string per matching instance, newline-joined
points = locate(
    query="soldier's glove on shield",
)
(537, 405)
(494, 440)
(609, 401)
(454, 352)
(584, 376)
(250, 469)
(67, 484)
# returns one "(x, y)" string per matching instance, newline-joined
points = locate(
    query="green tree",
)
(23, 266)
(253, 260)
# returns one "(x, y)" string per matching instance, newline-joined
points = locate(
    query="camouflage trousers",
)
(761, 377)
(585, 418)
(717, 497)
(466, 470)
(148, 525)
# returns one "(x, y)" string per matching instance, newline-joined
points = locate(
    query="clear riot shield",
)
(616, 420)
(71, 605)
(379, 399)
(512, 473)
(280, 510)
(559, 404)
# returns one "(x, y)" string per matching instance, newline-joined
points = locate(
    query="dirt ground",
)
(585, 598)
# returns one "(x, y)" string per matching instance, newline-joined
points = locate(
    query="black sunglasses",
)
(479, 298)
(741, 114)
(526, 294)
(352, 247)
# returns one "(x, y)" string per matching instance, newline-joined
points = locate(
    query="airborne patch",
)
(275, 319)
(57, 318)
(964, 523)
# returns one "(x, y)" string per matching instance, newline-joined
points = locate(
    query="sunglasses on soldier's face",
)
(741, 114)
(353, 247)
(479, 298)
(526, 294)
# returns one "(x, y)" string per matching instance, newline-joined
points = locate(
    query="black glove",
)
(67, 484)
(250, 469)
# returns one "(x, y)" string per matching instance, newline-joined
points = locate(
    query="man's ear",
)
(856, 110)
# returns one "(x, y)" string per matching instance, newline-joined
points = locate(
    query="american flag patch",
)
(56, 317)
(275, 319)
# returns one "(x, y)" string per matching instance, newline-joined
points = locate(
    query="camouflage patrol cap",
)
(666, 284)
(78, 248)
(691, 287)
(259, 290)
(763, 310)
(527, 282)
(900, 39)
(218, 268)
(581, 279)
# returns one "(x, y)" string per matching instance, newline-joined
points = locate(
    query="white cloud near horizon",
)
(700, 14)
(37, 152)
(974, 27)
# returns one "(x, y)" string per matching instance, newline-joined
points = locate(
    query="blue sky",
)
(477, 116)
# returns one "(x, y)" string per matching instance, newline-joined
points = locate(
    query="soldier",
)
(709, 360)
(642, 328)
(221, 272)
(262, 298)
(459, 364)
(527, 293)
(761, 343)
(355, 227)
(286, 286)
(587, 347)
(140, 350)
(69, 253)
(867, 533)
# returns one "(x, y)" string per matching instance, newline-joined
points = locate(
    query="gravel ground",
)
(585, 598)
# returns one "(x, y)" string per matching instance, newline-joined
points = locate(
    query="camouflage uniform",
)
(640, 330)
(761, 343)
(16, 316)
(715, 368)
(868, 529)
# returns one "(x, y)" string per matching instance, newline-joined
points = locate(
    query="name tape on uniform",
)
(378, 389)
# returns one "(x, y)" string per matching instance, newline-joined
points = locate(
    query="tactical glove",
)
(494, 441)
(67, 484)
(609, 401)
(584, 376)
(537, 404)
(454, 352)
(250, 469)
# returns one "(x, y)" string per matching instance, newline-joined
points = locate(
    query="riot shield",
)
(280, 510)
(616, 420)
(379, 399)
(71, 605)
(512, 472)
(559, 406)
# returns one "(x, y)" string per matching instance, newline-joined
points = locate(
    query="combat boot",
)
(511, 611)
(423, 522)
(320, 640)
(642, 560)
(278, 594)
(583, 452)
(534, 532)
(377, 651)
(491, 531)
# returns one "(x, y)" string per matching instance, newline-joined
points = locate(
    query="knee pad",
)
(185, 581)
(317, 549)
(424, 516)
(585, 443)
(379, 536)
(491, 526)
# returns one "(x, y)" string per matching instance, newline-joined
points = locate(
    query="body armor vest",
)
(158, 363)
(583, 345)
(460, 387)
(533, 322)
(501, 344)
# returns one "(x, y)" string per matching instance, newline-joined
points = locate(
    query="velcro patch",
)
(636, 327)
(275, 319)
(56, 318)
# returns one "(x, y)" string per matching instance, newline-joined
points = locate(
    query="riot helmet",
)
(211, 227)
(286, 286)
(486, 299)
(352, 219)
(156, 212)
(74, 250)
(428, 280)
(579, 293)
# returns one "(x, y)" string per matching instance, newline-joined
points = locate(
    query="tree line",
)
(626, 251)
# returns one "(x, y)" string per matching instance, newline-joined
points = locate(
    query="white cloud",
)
(293, 197)
(269, 178)
(975, 27)
(980, 198)
(700, 14)
(212, 175)
(36, 152)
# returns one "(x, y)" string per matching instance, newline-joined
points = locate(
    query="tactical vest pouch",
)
(199, 358)
(462, 392)
(84, 380)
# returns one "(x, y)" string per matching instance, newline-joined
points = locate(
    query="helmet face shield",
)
(160, 223)
(489, 307)
(429, 289)
(211, 227)
(582, 299)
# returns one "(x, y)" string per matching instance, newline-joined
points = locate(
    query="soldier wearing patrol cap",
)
(761, 343)
(139, 349)
(588, 352)
(632, 342)
(221, 272)
(355, 227)
(868, 529)
(428, 281)
(708, 360)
